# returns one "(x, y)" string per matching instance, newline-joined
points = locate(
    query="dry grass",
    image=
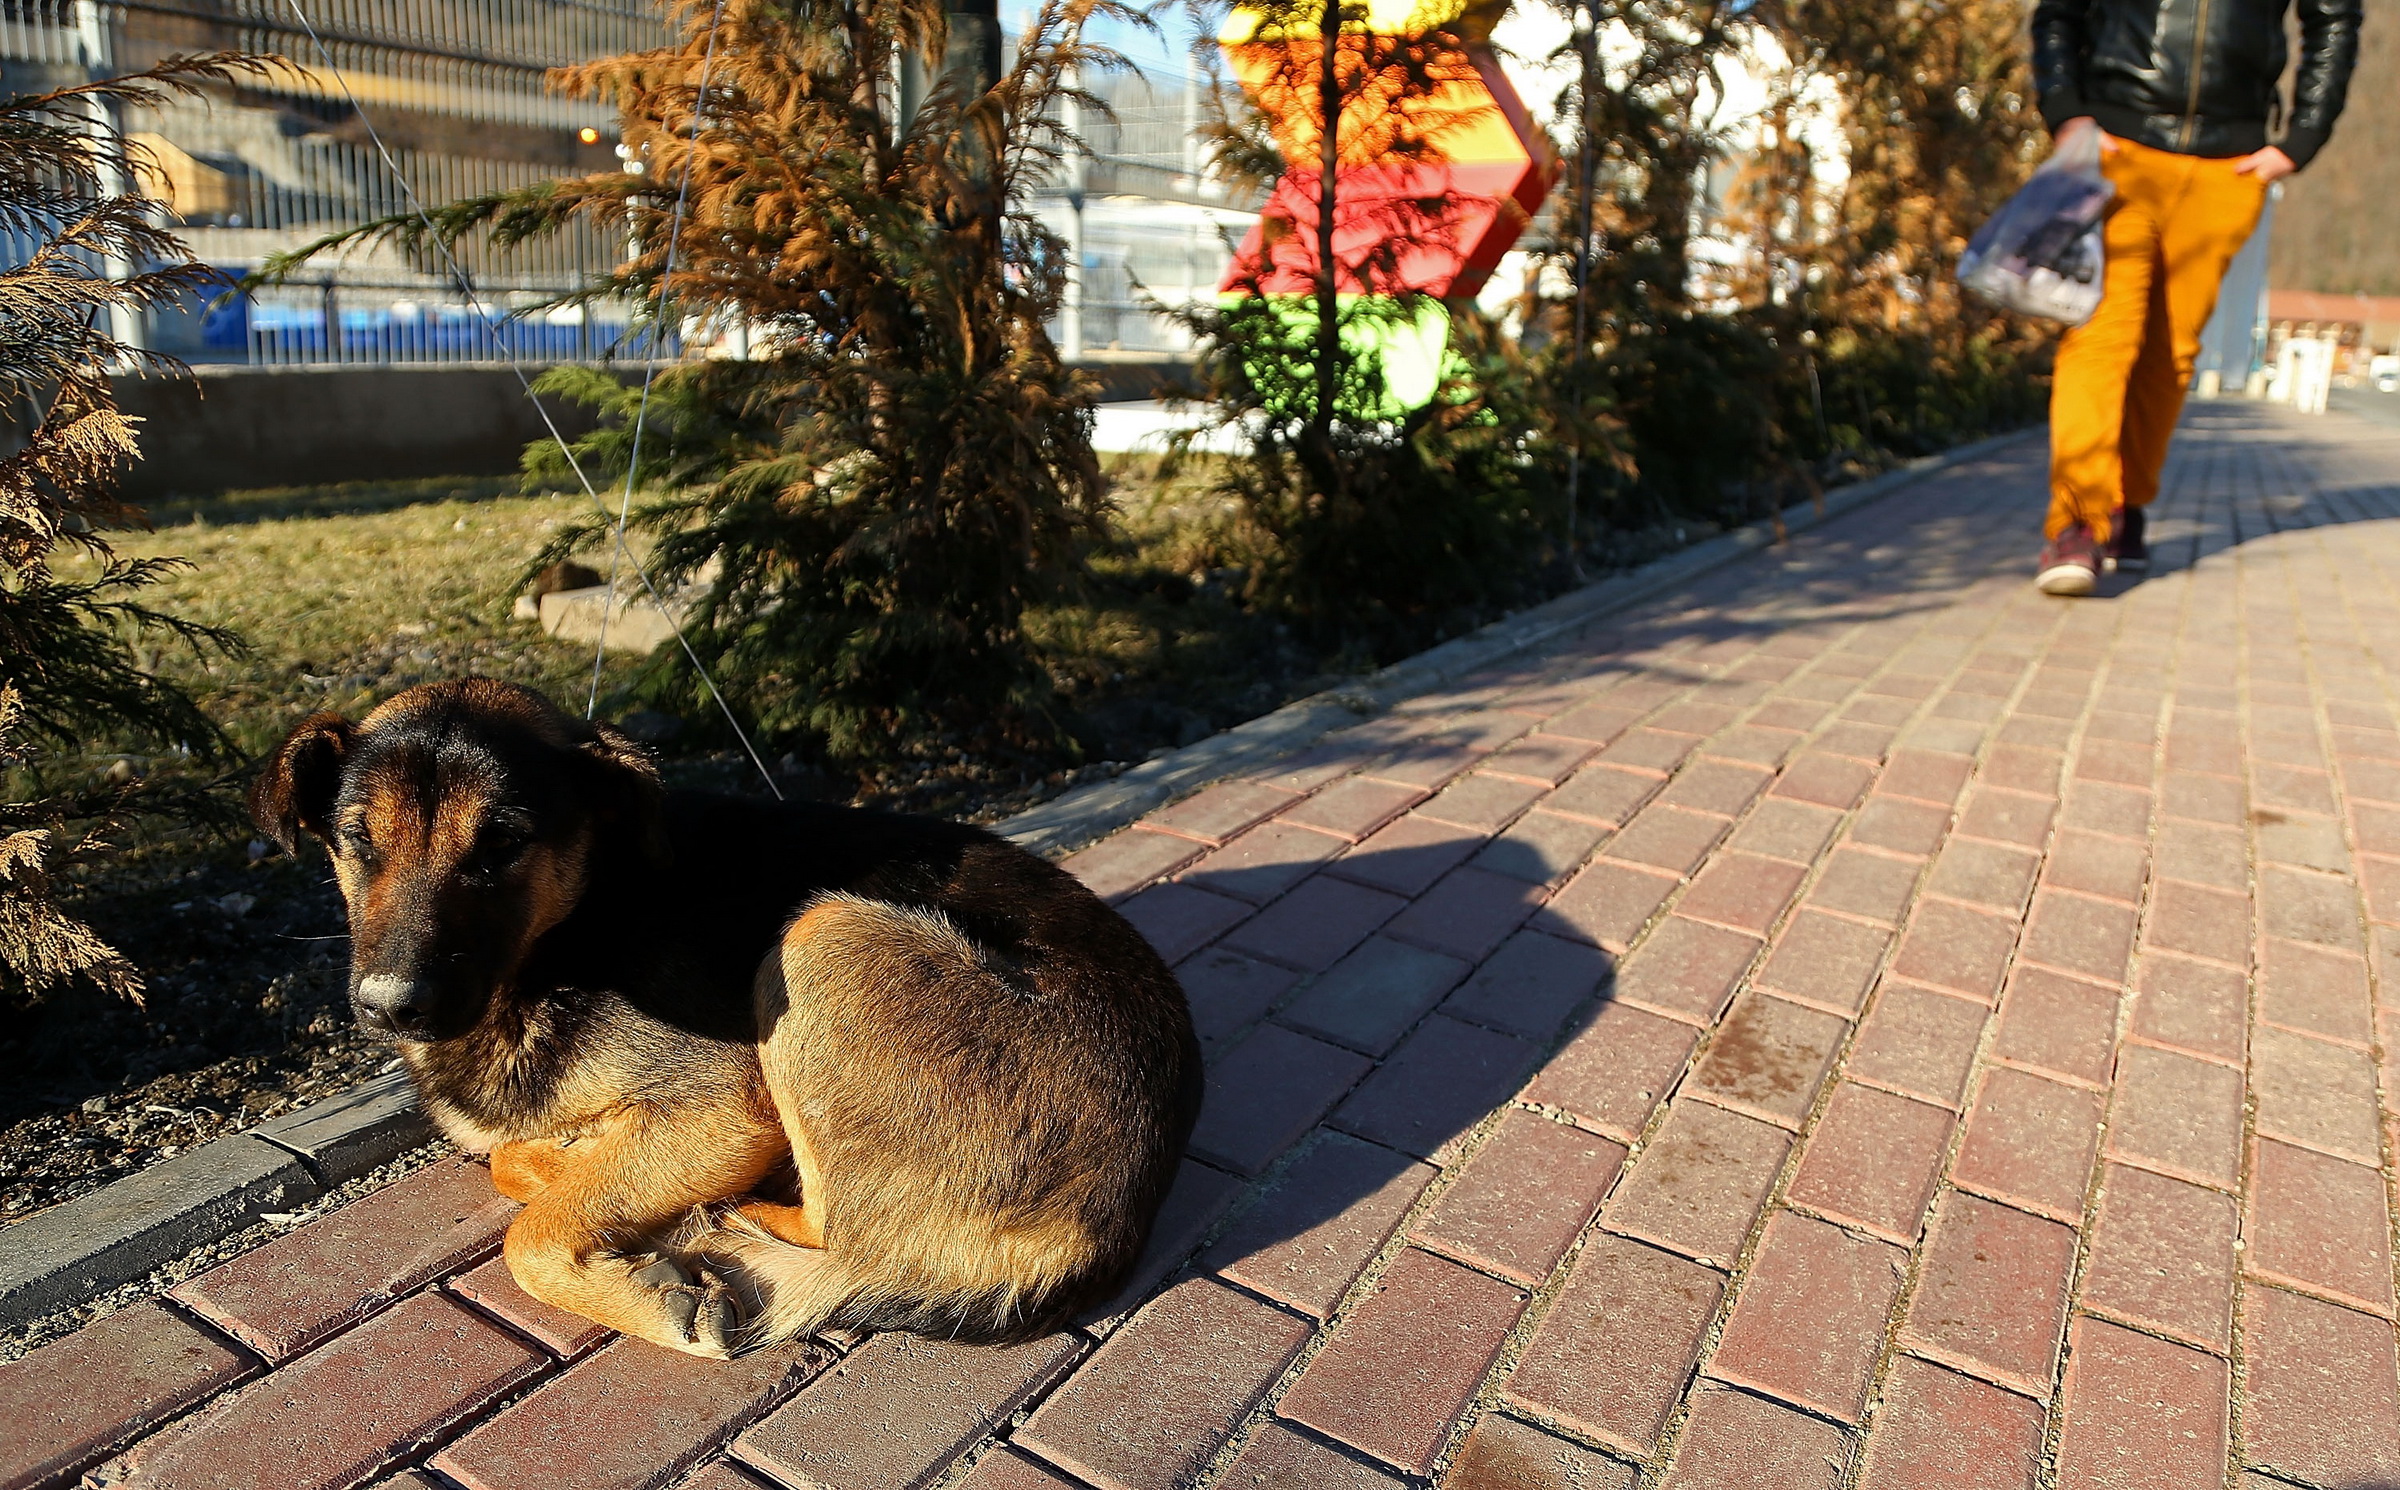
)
(349, 594)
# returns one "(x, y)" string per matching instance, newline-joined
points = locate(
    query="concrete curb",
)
(72, 1253)
(75, 1252)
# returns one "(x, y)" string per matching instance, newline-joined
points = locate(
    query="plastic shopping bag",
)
(2041, 254)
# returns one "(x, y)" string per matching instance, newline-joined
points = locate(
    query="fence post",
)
(94, 41)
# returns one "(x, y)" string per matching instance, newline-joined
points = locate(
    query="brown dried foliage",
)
(865, 508)
(66, 667)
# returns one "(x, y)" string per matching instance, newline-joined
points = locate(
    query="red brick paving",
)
(2138, 1411)
(630, 1411)
(1809, 1326)
(1403, 1363)
(1902, 1031)
(900, 1410)
(1152, 1407)
(409, 1377)
(301, 1287)
(1524, 1198)
(111, 1383)
(1306, 1240)
(492, 1289)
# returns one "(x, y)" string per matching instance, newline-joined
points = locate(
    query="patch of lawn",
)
(348, 594)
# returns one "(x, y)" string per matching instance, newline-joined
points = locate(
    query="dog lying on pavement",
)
(754, 1069)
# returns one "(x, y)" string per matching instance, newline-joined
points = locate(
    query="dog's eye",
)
(356, 836)
(503, 841)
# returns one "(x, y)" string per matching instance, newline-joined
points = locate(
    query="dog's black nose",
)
(402, 1006)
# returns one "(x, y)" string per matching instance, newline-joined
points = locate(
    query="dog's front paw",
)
(698, 1311)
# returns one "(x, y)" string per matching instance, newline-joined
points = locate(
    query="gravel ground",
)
(245, 1018)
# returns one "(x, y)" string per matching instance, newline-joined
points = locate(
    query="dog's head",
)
(464, 820)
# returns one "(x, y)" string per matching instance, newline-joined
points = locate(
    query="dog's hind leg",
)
(797, 1225)
(883, 1042)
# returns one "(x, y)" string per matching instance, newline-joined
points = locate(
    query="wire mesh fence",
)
(457, 89)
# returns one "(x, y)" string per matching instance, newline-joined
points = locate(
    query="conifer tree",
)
(862, 510)
(67, 668)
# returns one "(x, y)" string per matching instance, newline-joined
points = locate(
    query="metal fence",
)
(457, 87)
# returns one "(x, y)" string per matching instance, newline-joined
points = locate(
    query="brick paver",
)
(1853, 1022)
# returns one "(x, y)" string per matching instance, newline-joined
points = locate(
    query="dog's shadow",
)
(1335, 1101)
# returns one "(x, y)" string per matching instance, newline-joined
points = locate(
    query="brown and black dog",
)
(754, 1068)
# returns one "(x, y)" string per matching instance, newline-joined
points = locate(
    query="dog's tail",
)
(791, 1290)
(794, 1291)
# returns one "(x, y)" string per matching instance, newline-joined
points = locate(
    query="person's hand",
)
(2073, 131)
(2269, 165)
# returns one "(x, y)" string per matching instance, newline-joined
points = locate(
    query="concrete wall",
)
(246, 427)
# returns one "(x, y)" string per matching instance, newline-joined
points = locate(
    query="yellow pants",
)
(2177, 221)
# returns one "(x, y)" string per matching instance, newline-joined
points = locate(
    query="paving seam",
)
(2381, 991)
(2095, 1182)
(1858, 1435)
(2323, 499)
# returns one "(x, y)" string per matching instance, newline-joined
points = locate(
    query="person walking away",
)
(2185, 94)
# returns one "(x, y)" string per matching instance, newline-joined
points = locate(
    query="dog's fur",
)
(754, 1069)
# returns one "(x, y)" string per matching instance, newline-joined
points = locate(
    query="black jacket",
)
(2197, 77)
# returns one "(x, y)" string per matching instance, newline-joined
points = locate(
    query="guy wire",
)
(641, 417)
(508, 354)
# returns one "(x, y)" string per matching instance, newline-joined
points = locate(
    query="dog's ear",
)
(295, 793)
(626, 794)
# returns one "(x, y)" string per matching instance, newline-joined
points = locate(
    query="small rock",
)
(566, 574)
(237, 903)
(95, 1104)
(120, 772)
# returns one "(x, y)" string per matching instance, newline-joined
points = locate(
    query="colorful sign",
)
(1438, 166)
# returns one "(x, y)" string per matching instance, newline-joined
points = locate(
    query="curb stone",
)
(343, 1136)
(76, 1251)
(73, 1253)
(64, 1256)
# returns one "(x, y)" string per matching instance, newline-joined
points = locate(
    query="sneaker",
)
(2125, 549)
(2070, 563)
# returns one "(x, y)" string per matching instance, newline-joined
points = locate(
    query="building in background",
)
(455, 91)
(2361, 327)
(1146, 224)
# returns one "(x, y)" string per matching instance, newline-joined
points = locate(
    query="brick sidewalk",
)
(1858, 1022)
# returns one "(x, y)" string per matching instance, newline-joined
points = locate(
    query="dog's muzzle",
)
(399, 1006)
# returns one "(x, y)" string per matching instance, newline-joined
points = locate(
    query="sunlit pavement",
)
(1856, 1022)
